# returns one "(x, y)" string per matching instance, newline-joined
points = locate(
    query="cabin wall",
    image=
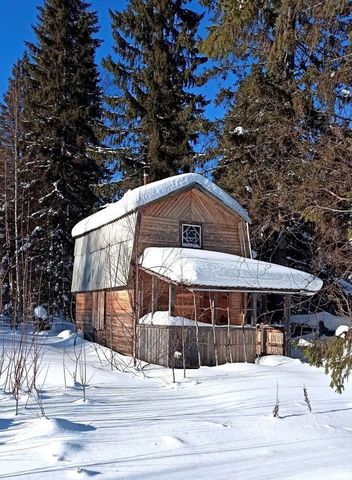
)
(106, 317)
(222, 229)
(84, 312)
(184, 302)
(102, 257)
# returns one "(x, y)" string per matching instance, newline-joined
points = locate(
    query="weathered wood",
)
(254, 305)
(157, 344)
(286, 319)
(98, 310)
(212, 309)
(84, 309)
(160, 223)
(171, 305)
(270, 340)
(117, 329)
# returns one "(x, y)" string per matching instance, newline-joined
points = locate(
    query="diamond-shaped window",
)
(191, 235)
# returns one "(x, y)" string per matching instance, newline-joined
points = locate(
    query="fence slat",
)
(158, 343)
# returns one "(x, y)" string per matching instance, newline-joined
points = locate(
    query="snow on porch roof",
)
(149, 193)
(204, 269)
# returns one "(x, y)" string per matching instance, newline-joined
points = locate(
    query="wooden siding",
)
(119, 321)
(270, 340)
(106, 318)
(158, 344)
(84, 312)
(222, 230)
(183, 302)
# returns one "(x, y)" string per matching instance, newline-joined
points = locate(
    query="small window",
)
(191, 235)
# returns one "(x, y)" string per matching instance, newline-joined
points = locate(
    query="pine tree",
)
(63, 120)
(155, 115)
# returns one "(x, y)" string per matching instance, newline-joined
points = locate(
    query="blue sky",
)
(16, 21)
(17, 18)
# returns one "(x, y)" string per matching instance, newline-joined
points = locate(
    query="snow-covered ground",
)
(216, 424)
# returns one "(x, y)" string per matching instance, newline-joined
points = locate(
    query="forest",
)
(281, 143)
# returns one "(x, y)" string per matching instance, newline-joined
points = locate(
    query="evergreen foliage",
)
(283, 144)
(155, 116)
(63, 120)
(289, 120)
(335, 355)
(13, 200)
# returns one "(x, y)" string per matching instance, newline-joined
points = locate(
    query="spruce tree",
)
(291, 98)
(63, 120)
(284, 144)
(155, 114)
(13, 208)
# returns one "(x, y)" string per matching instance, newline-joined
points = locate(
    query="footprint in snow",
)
(61, 451)
(169, 442)
(80, 472)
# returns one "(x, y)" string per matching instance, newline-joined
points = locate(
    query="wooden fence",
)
(175, 345)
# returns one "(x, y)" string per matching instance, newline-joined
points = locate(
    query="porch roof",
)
(204, 269)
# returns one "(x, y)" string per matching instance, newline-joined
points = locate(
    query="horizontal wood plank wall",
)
(184, 302)
(237, 303)
(115, 329)
(158, 344)
(84, 312)
(161, 294)
(118, 332)
(160, 222)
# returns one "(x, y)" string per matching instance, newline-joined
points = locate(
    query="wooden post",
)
(136, 315)
(262, 339)
(254, 309)
(153, 296)
(197, 327)
(264, 301)
(244, 341)
(212, 310)
(171, 299)
(228, 332)
(287, 338)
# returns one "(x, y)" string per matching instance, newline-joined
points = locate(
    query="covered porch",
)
(198, 307)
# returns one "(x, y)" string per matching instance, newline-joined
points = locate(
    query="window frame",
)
(188, 224)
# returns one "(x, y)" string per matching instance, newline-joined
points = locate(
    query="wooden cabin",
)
(166, 275)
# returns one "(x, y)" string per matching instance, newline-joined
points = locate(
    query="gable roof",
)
(145, 194)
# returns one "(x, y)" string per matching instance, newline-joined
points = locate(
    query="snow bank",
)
(331, 322)
(59, 325)
(52, 427)
(205, 268)
(163, 318)
(140, 425)
(140, 196)
(65, 334)
(341, 330)
(273, 360)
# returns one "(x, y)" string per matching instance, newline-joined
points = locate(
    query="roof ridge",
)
(153, 191)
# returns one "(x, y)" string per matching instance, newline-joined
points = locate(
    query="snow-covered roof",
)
(145, 194)
(207, 269)
(331, 322)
